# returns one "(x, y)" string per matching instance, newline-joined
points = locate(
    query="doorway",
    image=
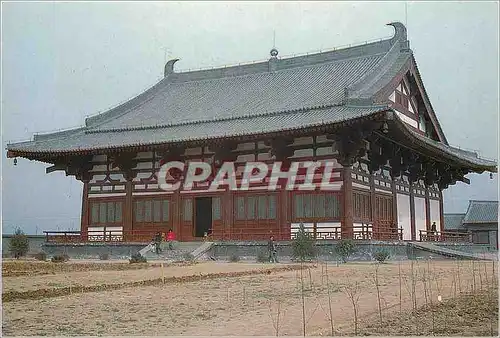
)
(203, 216)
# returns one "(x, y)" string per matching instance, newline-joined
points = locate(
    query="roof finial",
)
(274, 51)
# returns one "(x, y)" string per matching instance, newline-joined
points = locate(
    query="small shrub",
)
(40, 256)
(234, 258)
(381, 255)
(303, 245)
(262, 257)
(104, 256)
(19, 244)
(60, 258)
(137, 258)
(345, 249)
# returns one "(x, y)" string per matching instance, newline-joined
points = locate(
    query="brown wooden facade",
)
(357, 197)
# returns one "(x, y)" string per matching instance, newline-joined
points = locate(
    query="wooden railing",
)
(331, 234)
(365, 232)
(139, 236)
(444, 236)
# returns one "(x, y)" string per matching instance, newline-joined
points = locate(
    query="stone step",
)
(431, 247)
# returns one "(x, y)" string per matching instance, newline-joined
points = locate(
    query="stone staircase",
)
(439, 250)
(178, 253)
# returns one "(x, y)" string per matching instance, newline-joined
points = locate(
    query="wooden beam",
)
(414, 235)
(441, 211)
(347, 205)
(427, 210)
(85, 208)
(55, 167)
(128, 220)
(373, 208)
(394, 203)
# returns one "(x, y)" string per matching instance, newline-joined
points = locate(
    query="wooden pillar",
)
(85, 209)
(427, 210)
(373, 205)
(395, 206)
(441, 211)
(228, 213)
(128, 215)
(176, 213)
(284, 208)
(414, 235)
(347, 215)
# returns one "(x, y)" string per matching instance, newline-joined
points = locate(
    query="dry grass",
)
(467, 315)
(247, 305)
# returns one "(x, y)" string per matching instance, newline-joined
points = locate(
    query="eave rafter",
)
(78, 166)
(223, 152)
(351, 143)
(125, 162)
(416, 165)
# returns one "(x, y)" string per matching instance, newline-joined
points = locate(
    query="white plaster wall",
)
(407, 119)
(419, 216)
(435, 214)
(404, 220)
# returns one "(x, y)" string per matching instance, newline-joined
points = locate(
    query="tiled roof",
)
(468, 157)
(481, 212)
(453, 221)
(306, 87)
(79, 140)
(265, 97)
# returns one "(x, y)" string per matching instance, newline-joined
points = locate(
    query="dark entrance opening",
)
(203, 216)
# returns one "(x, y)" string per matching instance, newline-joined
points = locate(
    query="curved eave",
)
(46, 155)
(437, 150)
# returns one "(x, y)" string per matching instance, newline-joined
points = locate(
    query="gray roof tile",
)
(79, 140)
(239, 96)
(481, 212)
(453, 221)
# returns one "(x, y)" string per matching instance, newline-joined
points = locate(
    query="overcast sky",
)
(64, 61)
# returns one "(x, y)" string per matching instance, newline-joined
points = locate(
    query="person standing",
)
(433, 231)
(170, 239)
(271, 246)
(157, 242)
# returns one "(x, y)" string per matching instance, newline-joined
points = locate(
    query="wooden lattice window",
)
(216, 212)
(103, 213)
(361, 206)
(255, 207)
(187, 210)
(316, 206)
(151, 211)
(384, 205)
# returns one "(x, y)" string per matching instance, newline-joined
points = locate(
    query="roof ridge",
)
(376, 72)
(288, 56)
(276, 71)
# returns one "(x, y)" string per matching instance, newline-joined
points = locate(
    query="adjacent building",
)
(480, 221)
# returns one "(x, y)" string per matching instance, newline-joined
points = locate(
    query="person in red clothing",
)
(170, 239)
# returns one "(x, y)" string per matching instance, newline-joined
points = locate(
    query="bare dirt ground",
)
(251, 305)
(99, 277)
(12, 268)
